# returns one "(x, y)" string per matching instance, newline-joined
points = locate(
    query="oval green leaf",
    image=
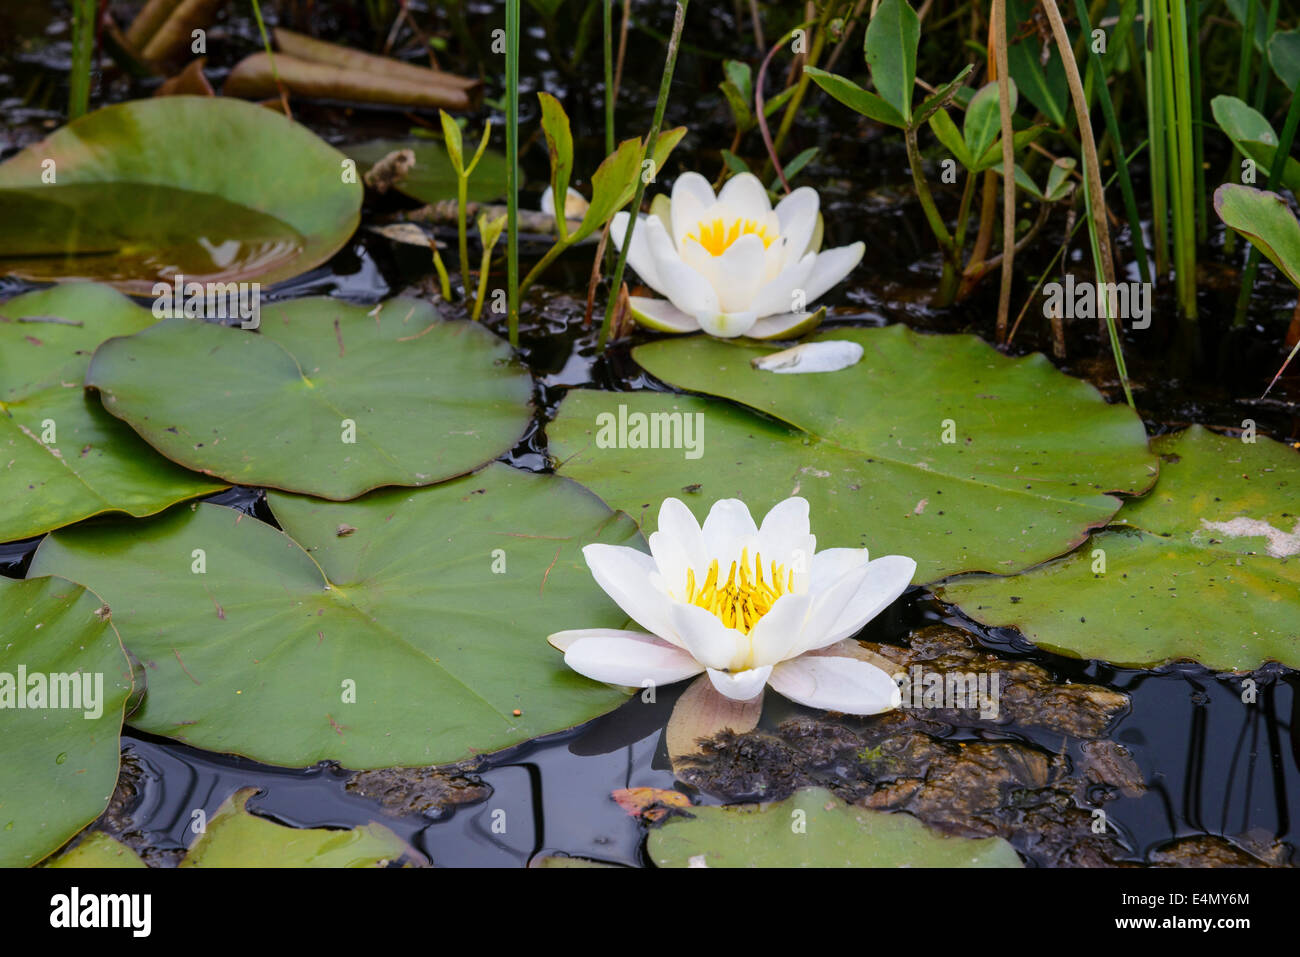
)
(429, 607)
(327, 398)
(212, 188)
(1207, 567)
(64, 681)
(62, 457)
(814, 828)
(1033, 460)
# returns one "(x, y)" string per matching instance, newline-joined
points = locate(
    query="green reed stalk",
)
(512, 168)
(1243, 88)
(1181, 149)
(647, 150)
(83, 49)
(1112, 128)
(608, 13)
(1156, 135)
(1198, 123)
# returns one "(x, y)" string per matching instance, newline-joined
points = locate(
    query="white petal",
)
(777, 634)
(728, 528)
(562, 639)
(678, 545)
(660, 314)
(778, 296)
(784, 536)
(786, 325)
(832, 266)
(692, 195)
(797, 214)
(743, 685)
(827, 355)
(630, 659)
(698, 258)
(829, 603)
(739, 273)
(709, 641)
(638, 255)
(886, 579)
(726, 325)
(831, 564)
(689, 291)
(625, 575)
(836, 684)
(745, 197)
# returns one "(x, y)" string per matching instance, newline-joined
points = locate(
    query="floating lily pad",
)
(433, 179)
(813, 828)
(61, 657)
(210, 187)
(1034, 458)
(429, 607)
(1207, 568)
(235, 838)
(92, 463)
(426, 399)
(99, 850)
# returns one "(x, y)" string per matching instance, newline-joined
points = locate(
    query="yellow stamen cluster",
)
(739, 603)
(717, 236)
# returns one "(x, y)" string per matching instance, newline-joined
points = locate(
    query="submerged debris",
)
(428, 791)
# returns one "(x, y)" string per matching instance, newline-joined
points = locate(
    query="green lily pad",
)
(426, 399)
(1034, 458)
(1207, 567)
(91, 463)
(235, 838)
(813, 828)
(433, 179)
(429, 607)
(61, 657)
(213, 188)
(98, 850)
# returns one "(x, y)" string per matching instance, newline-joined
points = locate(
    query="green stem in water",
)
(648, 148)
(608, 15)
(552, 254)
(512, 168)
(462, 231)
(83, 49)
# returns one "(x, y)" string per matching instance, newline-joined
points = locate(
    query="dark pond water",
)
(1210, 766)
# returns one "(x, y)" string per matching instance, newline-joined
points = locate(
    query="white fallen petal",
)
(829, 355)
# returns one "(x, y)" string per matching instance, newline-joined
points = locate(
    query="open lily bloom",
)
(731, 264)
(750, 606)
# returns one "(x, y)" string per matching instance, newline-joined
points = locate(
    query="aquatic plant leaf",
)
(1266, 220)
(98, 850)
(326, 398)
(1033, 458)
(405, 628)
(213, 188)
(62, 457)
(891, 41)
(614, 182)
(1284, 57)
(236, 838)
(856, 98)
(984, 118)
(559, 144)
(1253, 136)
(1043, 85)
(433, 178)
(814, 828)
(60, 763)
(945, 129)
(1204, 567)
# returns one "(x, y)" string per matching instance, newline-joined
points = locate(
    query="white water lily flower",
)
(751, 606)
(731, 264)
